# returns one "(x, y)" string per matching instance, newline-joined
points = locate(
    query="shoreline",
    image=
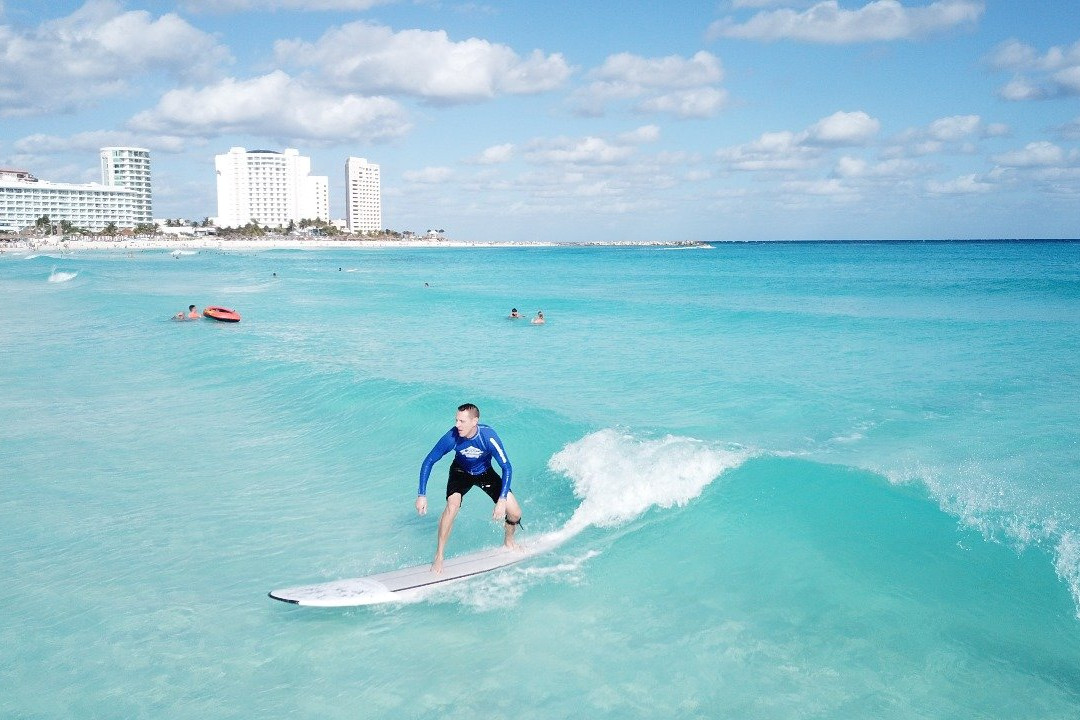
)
(281, 242)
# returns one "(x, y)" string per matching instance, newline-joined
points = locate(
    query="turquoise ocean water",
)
(794, 481)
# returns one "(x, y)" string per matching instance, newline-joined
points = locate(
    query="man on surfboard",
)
(474, 446)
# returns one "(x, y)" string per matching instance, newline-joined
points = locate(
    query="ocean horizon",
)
(790, 479)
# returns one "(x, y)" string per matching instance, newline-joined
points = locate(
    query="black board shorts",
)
(460, 481)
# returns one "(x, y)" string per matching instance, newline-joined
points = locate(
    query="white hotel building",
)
(130, 167)
(363, 196)
(269, 187)
(124, 198)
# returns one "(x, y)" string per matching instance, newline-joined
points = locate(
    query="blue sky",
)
(629, 120)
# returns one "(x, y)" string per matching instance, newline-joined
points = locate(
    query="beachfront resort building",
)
(124, 197)
(269, 188)
(130, 167)
(363, 196)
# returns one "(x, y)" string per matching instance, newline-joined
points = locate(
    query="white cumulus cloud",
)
(667, 72)
(92, 141)
(765, 3)
(496, 154)
(578, 151)
(643, 134)
(788, 150)
(963, 185)
(366, 58)
(1036, 154)
(683, 87)
(895, 169)
(96, 52)
(953, 134)
(309, 5)
(1070, 130)
(827, 22)
(955, 128)
(1054, 73)
(844, 128)
(1068, 79)
(695, 103)
(274, 105)
(1013, 55)
(830, 187)
(771, 151)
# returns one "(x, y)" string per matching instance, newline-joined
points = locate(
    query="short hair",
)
(469, 408)
(190, 307)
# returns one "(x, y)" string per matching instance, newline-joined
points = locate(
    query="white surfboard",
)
(403, 584)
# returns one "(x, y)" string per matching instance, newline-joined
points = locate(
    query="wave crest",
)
(619, 476)
(57, 276)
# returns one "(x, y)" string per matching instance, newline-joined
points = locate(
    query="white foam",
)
(984, 502)
(1067, 564)
(619, 476)
(500, 590)
(856, 434)
(57, 276)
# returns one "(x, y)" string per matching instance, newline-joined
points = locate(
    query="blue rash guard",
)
(473, 455)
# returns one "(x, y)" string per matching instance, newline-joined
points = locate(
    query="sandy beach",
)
(282, 242)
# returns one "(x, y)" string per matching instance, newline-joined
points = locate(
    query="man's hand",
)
(421, 504)
(500, 510)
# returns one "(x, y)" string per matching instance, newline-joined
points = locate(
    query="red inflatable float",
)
(222, 314)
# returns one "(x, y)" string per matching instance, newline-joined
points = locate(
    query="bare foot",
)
(436, 567)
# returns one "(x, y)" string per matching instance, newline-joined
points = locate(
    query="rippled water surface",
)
(793, 480)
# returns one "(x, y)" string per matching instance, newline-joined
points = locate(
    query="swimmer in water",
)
(192, 314)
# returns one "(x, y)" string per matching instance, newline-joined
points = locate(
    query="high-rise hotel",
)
(363, 196)
(268, 187)
(130, 167)
(123, 198)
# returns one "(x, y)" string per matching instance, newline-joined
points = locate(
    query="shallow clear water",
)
(795, 480)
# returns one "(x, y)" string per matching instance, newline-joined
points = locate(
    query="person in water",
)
(539, 319)
(514, 313)
(474, 446)
(192, 314)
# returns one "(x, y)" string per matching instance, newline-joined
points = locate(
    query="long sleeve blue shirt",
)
(473, 455)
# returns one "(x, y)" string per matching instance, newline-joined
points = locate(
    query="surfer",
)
(474, 446)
